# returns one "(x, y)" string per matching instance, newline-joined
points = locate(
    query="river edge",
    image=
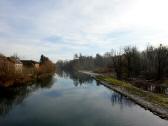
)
(24, 80)
(158, 110)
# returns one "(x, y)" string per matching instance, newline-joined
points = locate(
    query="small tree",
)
(46, 65)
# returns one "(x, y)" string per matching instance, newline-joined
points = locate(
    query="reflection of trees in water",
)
(118, 99)
(98, 83)
(62, 73)
(46, 82)
(78, 78)
(12, 96)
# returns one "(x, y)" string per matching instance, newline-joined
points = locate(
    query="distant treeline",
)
(129, 62)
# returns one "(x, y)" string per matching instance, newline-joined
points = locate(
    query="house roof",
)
(14, 60)
(29, 62)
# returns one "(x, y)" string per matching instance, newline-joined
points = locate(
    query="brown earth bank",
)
(23, 79)
(156, 103)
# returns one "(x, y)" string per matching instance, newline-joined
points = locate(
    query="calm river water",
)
(71, 100)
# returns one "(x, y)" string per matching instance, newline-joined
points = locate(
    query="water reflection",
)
(78, 78)
(118, 99)
(63, 104)
(12, 96)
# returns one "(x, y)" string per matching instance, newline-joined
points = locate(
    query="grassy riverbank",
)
(158, 99)
(156, 103)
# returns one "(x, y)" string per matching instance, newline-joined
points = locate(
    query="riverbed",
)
(71, 99)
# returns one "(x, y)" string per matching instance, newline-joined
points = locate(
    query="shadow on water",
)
(12, 96)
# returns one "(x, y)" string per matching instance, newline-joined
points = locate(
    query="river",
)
(71, 99)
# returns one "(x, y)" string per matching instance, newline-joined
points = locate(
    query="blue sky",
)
(60, 28)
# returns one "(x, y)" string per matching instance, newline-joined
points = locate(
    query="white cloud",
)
(81, 24)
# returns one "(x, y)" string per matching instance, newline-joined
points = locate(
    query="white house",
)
(18, 65)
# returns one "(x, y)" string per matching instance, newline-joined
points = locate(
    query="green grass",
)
(158, 99)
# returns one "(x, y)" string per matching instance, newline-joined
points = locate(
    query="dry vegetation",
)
(9, 76)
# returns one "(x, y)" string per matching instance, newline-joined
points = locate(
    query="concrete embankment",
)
(155, 108)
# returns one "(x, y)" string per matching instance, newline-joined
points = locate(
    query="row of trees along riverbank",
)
(13, 70)
(129, 62)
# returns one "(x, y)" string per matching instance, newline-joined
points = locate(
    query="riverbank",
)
(156, 103)
(22, 79)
